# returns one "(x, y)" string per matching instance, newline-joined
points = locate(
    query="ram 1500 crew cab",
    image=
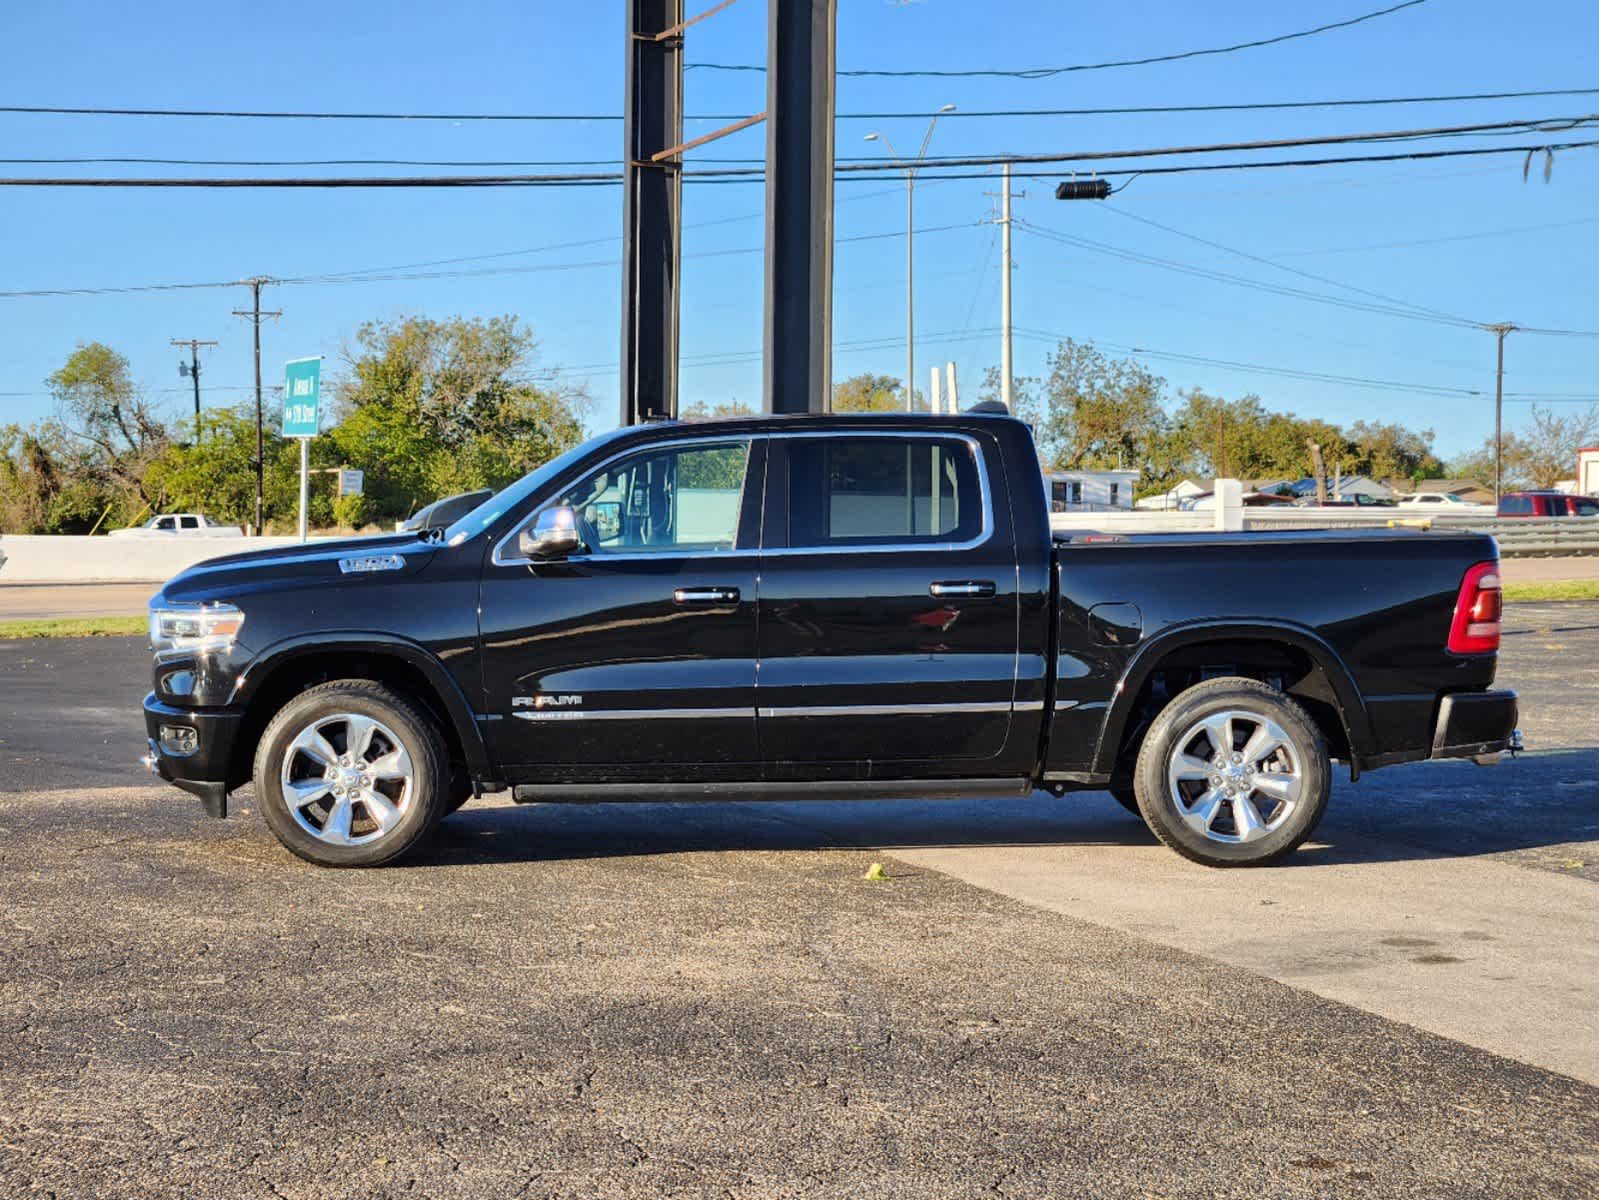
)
(818, 606)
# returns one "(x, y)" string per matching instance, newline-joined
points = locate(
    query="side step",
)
(828, 789)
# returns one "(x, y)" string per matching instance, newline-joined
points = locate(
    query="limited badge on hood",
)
(371, 562)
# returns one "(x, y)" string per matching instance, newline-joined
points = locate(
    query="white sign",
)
(351, 481)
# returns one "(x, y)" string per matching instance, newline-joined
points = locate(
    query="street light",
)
(910, 243)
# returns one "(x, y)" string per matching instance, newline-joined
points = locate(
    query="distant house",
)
(1468, 490)
(1171, 501)
(1345, 488)
(1091, 491)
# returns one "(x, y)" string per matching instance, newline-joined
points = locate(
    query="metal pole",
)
(797, 340)
(260, 440)
(910, 290)
(1004, 295)
(194, 373)
(652, 199)
(255, 314)
(305, 483)
(1499, 410)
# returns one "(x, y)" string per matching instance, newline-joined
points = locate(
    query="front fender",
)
(1351, 705)
(374, 644)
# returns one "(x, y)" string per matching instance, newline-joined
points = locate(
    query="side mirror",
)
(553, 535)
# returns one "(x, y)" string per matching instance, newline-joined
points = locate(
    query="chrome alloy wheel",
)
(1235, 776)
(347, 779)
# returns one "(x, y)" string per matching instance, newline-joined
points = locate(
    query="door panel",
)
(640, 651)
(861, 663)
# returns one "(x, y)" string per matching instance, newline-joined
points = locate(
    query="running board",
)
(829, 789)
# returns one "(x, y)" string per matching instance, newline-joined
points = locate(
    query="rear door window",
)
(1516, 506)
(877, 491)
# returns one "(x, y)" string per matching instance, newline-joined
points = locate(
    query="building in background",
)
(1588, 471)
(1091, 491)
(1172, 501)
(1469, 490)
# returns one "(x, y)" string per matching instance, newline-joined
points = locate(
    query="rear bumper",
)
(203, 772)
(1475, 724)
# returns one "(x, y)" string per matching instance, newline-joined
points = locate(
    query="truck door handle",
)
(706, 595)
(969, 587)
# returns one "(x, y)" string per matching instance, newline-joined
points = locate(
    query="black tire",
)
(1128, 798)
(419, 805)
(1283, 825)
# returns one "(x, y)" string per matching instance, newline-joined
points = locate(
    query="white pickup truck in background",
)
(180, 525)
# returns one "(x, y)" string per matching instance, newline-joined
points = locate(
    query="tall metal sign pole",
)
(652, 204)
(302, 418)
(799, 204)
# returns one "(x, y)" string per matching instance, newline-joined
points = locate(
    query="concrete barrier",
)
(49, 559)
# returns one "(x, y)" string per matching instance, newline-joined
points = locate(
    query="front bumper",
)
(1476, 725)
(202, 771)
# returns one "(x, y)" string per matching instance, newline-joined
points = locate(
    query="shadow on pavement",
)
(1428, 810)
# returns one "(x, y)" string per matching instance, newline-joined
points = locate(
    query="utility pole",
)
(1499, 331)
(255, 316)
(1005, 372)
(192, 369)
(1007, 266)
(910, 166)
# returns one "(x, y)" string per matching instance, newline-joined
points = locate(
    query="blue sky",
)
(564, 57)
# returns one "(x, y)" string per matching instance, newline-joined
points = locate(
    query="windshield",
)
(486, 513)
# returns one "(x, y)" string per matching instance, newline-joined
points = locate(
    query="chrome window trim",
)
(980, 461)
(501, 559)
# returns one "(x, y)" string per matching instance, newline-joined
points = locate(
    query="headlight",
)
(194, 627)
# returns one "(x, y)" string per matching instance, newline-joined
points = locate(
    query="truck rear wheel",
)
(351, 774)
(1233, 773)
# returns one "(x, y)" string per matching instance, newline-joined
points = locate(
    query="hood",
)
(360, 560)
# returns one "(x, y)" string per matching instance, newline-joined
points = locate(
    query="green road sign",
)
(302, 397)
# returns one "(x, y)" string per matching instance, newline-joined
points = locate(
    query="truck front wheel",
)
(351, 774)
(1233, 773)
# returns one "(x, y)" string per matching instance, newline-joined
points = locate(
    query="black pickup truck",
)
(821, 606)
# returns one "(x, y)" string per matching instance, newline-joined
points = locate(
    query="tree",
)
(217, 476)
(728, 410)
(1024, 402)
(1100, 411)
(869, 393)
(101, 410)
(1548, 450)
(429, 408)
(1390, 451)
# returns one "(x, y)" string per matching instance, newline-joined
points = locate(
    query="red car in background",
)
(1547, 504)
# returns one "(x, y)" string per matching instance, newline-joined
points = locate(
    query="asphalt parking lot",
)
(709, 1000)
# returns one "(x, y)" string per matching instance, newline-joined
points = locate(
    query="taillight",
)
(1475, 628)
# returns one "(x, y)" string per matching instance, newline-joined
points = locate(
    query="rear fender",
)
(1351, 706)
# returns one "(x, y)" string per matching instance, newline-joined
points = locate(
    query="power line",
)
(959, 114)
(1239, 280)
(1244, 106)
(755, 166)
(401, 272)
(1437, 241)
(1121, 212)
(851, 172)
(1050, 72)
